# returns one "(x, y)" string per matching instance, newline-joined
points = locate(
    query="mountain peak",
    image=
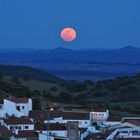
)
(61, 49)
(129, 48)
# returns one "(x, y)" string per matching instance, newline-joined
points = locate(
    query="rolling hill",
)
(79, 65)
(122, 93)
(28, 72)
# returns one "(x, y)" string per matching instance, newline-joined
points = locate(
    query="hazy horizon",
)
(26, 49)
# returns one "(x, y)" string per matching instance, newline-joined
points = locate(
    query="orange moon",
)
(68, 34)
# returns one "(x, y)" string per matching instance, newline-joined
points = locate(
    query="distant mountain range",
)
(78, 64)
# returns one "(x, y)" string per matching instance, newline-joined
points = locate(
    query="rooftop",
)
(41, 115)
(18, 100)
(16, 121)
(114, 118)
(26, 134)
(5, 132)
(53, 126)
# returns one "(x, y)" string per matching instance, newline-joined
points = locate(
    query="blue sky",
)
(99, 23)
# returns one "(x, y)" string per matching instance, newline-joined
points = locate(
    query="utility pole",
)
(48, 121)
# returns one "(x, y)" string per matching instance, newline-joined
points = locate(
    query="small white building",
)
(55, 131)
(18, 124)
(63, 117)
(99, 116)
(52, 134)
(129, 133)
(18, 129)
(15, 106)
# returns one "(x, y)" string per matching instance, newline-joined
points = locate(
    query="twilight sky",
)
(99, 23)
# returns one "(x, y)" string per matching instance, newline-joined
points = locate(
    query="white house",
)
(125, 133)
(99, 116)
(16, 106)
(55, 131)
(129, 133)
(18, 129)
(63, 117)
(18, 124)
(112, 121)
(61, 135)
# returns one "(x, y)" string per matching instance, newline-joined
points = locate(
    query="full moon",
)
(68, 34)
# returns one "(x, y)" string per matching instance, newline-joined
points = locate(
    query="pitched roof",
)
(18, 100)
(16, 121)
(114, 118)
(53, 126)
(26, 134)
(5, 132)
(135, 122)
(41, 115)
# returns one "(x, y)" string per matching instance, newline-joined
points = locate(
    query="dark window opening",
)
(26, 127)
(19, 127)
(11, 127)
(18, 108)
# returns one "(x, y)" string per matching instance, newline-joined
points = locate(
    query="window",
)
(11, 127)
(18, 108)
(19, 127)
(124, 131)
(85, 122)
(26, 127)
(23, 107)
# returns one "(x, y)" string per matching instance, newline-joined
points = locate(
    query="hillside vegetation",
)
(118, 95)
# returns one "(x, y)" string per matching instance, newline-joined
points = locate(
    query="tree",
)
(1, 77)
(65, 95)
(36, 104)
(15, 80)
(54, 89)
(76, 87)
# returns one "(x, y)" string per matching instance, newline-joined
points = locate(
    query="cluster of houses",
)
(18, 121)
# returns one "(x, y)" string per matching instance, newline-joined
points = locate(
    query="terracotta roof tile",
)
(114, 118)
(26, 134)
(53, 126)
(18, 100)
(15, 121)
(41, 115)
(135, 122)
(5, 132)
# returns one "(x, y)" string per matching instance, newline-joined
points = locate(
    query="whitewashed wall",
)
(82, 123)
